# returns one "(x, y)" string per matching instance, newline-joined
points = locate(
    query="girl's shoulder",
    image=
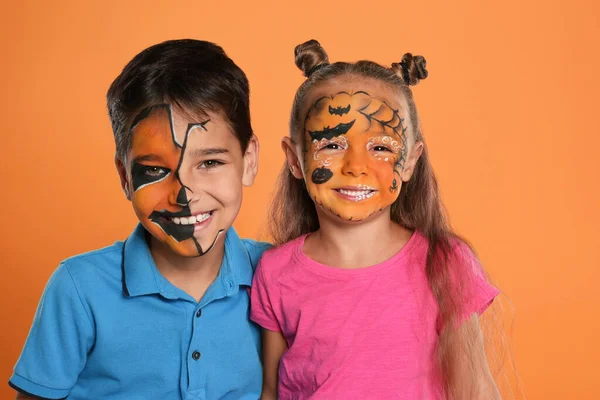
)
(280, 256)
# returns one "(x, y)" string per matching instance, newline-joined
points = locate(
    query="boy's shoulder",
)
(255, 250)
(106, 260)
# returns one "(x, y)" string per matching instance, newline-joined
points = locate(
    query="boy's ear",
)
(293, 161)
(411, 160)
(251, 162)
(123, 177)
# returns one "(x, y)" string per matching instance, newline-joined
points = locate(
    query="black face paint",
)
(394, 186)
(339, 110)
(142, 175)
(329, 133)
(179, 232)
(182, 197)
(321, 175)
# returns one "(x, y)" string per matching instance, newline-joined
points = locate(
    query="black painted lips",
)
(177, 231)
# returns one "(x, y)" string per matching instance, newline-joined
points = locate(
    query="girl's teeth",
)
(358, 194)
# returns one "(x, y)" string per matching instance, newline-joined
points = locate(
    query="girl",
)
(371, 295)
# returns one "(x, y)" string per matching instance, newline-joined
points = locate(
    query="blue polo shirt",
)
(109, 326)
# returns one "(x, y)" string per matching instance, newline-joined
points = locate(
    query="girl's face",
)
(355, 148)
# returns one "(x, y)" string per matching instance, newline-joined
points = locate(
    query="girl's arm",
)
(472, 370)
(274, 345)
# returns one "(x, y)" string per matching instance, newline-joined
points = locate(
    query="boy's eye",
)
(209, 164)
(155, 171)
(143, 175)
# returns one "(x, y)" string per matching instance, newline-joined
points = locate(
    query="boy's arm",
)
(274, 345)
(59, 340)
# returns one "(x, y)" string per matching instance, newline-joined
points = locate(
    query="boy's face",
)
(185, 178)
(356, 149)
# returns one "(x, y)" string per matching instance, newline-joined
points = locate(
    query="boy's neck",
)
(356, 245)
(193, 275)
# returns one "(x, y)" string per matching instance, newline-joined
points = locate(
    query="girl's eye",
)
(332, 146)
(155, 171)
(380, 148)
(208, 164)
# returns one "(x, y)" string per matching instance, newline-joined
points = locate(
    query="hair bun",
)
(411, 69)
(310, 56)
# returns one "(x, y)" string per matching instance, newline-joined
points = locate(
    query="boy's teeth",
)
(190, 220)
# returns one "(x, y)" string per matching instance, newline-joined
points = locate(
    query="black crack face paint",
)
(161, 199)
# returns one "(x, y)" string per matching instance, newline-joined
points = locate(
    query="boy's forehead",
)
(164, 125)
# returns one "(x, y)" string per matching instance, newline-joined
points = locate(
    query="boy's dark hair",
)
(193, 76)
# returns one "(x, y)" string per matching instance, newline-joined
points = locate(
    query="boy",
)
(164, 314)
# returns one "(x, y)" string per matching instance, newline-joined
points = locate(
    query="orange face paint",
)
(355, 149)
(163, 190)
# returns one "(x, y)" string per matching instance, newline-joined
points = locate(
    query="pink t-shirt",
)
(366, 333)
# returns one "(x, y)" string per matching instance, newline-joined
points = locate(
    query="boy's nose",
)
(178, 195)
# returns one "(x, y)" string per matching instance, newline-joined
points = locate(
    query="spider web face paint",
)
(161, 198)
(355, 148)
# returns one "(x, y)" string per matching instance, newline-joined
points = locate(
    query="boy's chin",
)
(193, 247)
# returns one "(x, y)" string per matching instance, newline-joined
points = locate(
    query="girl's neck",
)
(193, 275)
(356, 245)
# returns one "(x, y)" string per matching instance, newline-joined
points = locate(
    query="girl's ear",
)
(291, 155)
(411, 160)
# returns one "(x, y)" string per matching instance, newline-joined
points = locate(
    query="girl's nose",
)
(355, 163)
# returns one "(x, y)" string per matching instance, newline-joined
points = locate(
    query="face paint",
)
(173, 175)
(355, 150)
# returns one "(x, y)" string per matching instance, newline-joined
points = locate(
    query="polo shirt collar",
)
(236, 262)
(141, 277)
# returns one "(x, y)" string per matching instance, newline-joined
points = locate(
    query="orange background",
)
(509, 110)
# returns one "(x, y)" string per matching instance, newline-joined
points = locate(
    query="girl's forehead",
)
(350, 85)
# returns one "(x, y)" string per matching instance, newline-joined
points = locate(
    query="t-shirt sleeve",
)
(261, 308)
(474, 291)
(59, 340)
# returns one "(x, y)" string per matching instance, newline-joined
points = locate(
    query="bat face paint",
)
(177, 174)
(356, 146)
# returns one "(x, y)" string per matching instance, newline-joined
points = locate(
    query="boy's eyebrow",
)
(208, 151)
(147, 157)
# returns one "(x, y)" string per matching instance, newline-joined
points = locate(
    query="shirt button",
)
(196, 355)
(199, 313)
